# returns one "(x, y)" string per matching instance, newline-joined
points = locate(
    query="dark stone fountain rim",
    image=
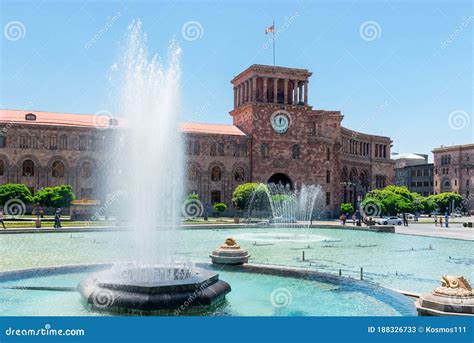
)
(106, 279)
(393, 296)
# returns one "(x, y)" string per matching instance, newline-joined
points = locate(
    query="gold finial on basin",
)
(452, 285)
(230, 243)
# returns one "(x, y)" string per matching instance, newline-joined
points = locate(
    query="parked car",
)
(389, 221)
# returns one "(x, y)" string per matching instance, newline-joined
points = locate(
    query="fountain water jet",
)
(147, 163)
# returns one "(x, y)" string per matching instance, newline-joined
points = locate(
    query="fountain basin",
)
(114, 291)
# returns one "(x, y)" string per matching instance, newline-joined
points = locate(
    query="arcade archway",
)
(280, 178)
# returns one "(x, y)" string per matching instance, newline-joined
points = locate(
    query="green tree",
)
(219, 207)
(444, 201)
(251, 194)
(60, 196)
(347, 208)
(15, 191)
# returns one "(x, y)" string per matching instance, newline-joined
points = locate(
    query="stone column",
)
(265, 89)
(275, 90)
(285, 91)
(245, 91)
(295, 94)
(305, 92)
(235, 97)
(300, 92)
(254, 88)
(238, 95)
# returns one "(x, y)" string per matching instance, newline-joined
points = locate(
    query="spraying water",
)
(148, 155)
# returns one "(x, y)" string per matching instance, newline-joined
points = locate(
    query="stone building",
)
(414, 172)
(276, 136)
(454, 171)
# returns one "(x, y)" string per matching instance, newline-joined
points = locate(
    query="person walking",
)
(441, 222)
(354, 217)
(436, 221)
(446, 217)
(1, 219)
(405, 220)
(57, 218)
(342, 218)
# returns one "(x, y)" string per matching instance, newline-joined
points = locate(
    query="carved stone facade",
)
(276, 136)
(454, 171)
(315, 148)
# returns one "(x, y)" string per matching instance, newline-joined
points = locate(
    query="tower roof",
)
(272, 71)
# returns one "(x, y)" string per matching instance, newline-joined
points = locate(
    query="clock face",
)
(280, 122)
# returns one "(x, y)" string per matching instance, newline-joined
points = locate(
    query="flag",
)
(270, 29)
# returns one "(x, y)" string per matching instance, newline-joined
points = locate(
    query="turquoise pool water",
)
(251, 295)
(411, 263)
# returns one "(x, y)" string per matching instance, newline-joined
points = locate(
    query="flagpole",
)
(274, 43)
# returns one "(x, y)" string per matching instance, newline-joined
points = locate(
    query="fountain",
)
(153, 279)
(285, 206)
(230, 253)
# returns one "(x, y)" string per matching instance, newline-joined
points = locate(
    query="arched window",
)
(86, 170)
(216, 174)
(264, 150)
(58, 169)
(28, 168)
(2, 167)
(344, 175)
(63, 142)
(295, 151)
(364, 179)
(353, 175)
(239, 174)
(213, 149)
(192, 173)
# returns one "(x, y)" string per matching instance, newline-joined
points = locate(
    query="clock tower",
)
(290, 142)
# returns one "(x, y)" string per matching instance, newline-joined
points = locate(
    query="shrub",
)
(219, 207)
(251, 194)
(15, 191)
(347, 208)
(60, 196)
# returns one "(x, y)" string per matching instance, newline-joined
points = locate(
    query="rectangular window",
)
(3, 141)
(328, 176)
(53, 142)
(328, 198)
(215, 196)
(220, 149)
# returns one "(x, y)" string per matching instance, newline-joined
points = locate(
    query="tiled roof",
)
(217, 129)
(101, 120)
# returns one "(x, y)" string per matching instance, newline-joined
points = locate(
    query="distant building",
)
(454, 171)
(414, 172)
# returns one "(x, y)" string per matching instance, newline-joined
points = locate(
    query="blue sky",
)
(410, 77)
